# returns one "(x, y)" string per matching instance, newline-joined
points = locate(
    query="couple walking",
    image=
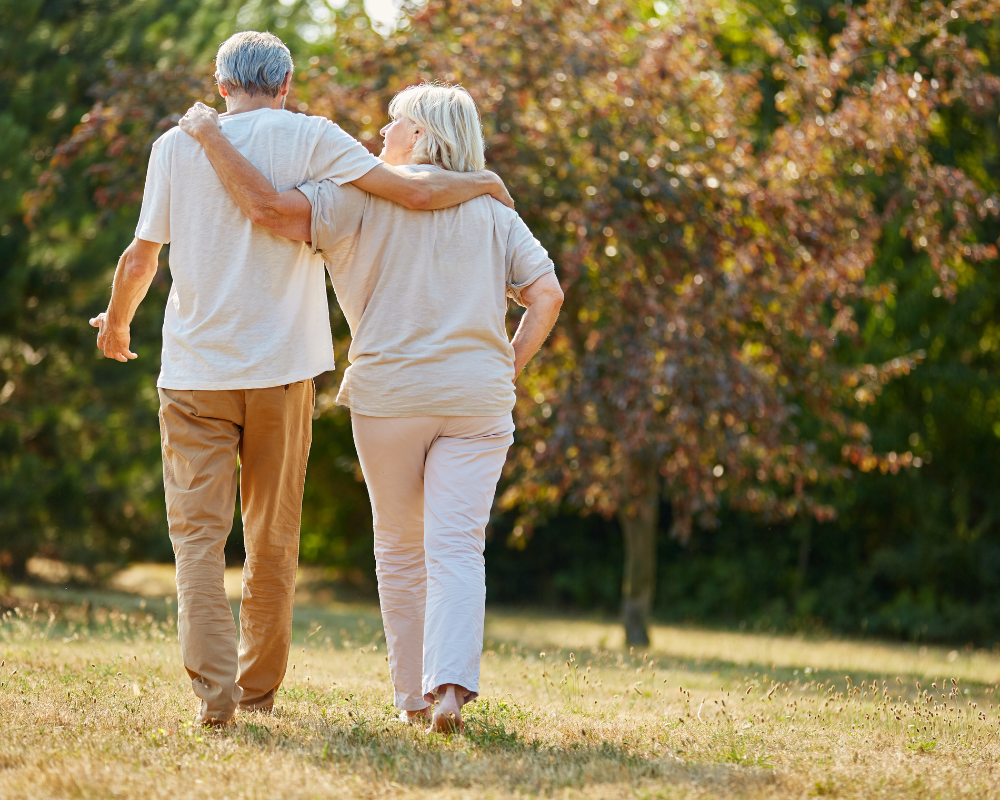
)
(422, 260)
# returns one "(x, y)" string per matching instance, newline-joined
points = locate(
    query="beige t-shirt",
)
(247, 309)
(425, 295)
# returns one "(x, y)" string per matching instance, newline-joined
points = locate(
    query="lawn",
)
(94, 703)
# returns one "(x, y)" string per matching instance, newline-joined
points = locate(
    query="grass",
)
(94, 703)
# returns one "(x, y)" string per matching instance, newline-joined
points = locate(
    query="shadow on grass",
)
(352, 626)
(493, 752)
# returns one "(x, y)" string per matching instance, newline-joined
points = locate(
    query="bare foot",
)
(415, 717)
(448, 713)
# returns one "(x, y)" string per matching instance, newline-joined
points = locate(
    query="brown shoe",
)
(214, 724)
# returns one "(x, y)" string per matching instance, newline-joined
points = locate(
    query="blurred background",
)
(771, 401)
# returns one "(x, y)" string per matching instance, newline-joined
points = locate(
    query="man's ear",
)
(285, 85)
(222, 89)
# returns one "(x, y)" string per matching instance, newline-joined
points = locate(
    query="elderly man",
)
(246, 330)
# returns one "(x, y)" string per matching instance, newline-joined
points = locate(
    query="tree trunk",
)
(639, 521)
(802, 530)
(14, 564)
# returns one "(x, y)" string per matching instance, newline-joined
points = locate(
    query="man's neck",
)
(244, 102)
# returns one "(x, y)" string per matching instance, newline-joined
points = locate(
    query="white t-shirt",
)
(247, 309)
(425, 295)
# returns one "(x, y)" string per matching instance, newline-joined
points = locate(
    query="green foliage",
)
(336, 499)
(492, 723)
(79, 443)
(571, 562)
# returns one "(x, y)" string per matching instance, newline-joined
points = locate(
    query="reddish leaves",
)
(707, 281)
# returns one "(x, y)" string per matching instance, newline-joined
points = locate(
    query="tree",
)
(79, 446)
(711, 271)
(713, 378)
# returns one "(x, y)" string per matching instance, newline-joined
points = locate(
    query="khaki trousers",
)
(432, 482)
(211, 440)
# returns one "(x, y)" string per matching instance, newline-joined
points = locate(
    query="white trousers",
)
(431, 481)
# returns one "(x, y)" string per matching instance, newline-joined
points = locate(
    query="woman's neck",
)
(402, 161)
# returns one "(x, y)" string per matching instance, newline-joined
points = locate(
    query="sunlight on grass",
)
(767, 652)
(95, 704)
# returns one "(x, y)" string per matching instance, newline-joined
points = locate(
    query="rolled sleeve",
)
(337, 212)
(310, 189)
(527, 260)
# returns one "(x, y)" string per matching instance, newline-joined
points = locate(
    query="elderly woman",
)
(431, 378)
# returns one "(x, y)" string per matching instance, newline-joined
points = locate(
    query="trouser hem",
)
(411, 703)
(432, 693)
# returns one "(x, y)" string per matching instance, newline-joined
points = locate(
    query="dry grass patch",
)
(95, 704)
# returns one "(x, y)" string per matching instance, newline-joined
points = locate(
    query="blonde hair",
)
(453, 132)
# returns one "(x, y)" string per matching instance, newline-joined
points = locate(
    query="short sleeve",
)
(337, 212)
(154, 218)
(339, 157)
(526, 259)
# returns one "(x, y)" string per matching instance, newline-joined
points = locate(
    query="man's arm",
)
(542, 299)
(134, 274)
(288, 213)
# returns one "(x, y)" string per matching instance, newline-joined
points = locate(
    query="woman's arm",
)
(542, 299)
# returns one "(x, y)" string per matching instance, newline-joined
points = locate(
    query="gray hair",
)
(453, 132)
(253, 62)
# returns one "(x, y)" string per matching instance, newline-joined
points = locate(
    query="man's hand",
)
(200, 121)
(114, 342)
(499, 191)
